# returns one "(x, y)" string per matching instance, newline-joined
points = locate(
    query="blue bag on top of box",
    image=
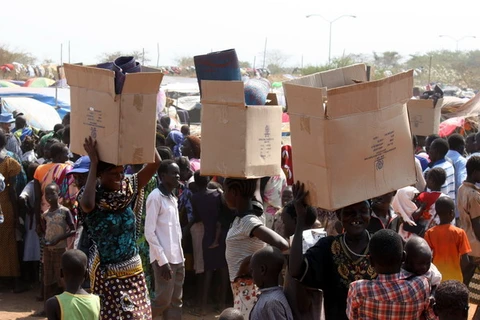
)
(221, 65)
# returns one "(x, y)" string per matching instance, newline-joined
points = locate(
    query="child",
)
(75, 303)
(231, 314)
(266, 265)
(417, 210)
(164, 235)
(393, 294)
(247, 235)
(418, 260)
(26, 204)
(448, 243)
(278, 225)
(57, 222)
(206, 205)
(425, 215)
(451, 301)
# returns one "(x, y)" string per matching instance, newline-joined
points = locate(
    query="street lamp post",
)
(330, 31)
(457, 40)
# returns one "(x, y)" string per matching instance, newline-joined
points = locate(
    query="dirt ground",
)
(22, 306)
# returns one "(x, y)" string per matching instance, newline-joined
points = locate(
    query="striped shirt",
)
(241, 243)
(448, 187)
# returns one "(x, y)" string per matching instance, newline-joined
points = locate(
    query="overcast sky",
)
(191, 27)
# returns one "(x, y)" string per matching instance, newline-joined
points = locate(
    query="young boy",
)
(75, 303)
(451, 301)
(278, 224)
(418, 260)
(426, 215)
(58, 224)
(266, 265)
(437, 153)
(449, 244)
(164, 235)
(393, 294)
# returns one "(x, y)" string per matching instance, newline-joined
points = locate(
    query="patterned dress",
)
(331, 267)
(116, 273)
(9, 266)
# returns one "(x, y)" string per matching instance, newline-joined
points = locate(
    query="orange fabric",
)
(448, 244)
(42, 171)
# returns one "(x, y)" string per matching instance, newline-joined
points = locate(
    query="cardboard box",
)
(124, 125)
(239, 141)
(424, 116)
(355, 146)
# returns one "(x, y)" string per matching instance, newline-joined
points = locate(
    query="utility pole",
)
(265, 53)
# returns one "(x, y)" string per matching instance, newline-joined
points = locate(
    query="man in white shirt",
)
(164, 235)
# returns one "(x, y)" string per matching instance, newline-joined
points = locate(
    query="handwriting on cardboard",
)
(265, 143)
(381, 145)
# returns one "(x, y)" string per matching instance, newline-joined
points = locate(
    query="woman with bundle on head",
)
(116, 273)
(247, 235)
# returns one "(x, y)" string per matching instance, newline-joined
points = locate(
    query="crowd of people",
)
(253, 247)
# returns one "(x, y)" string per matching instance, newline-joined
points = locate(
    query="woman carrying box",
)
(116, 272)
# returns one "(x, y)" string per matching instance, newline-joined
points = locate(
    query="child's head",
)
(74, 266)
(418, 256)
(289, 218)
(436, 178)
(386, 251)
(473, 169)
(266, 265)
(52, 193)
(287, 195)
(445, 208)
(451, 300)
(169, 173)
(231, 314)
(383, 202)
(185, 130)
(238, 190)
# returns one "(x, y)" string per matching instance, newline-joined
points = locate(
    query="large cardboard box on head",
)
(239, 141)
(355, 146)
(124, 125)
(424, 116)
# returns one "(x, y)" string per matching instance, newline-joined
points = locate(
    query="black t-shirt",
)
(331, 268)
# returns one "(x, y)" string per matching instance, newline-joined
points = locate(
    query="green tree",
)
(8, 55)
(244, 64)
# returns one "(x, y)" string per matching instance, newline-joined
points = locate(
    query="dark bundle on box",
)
(121, 66)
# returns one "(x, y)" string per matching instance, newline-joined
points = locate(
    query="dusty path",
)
(22, 306)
